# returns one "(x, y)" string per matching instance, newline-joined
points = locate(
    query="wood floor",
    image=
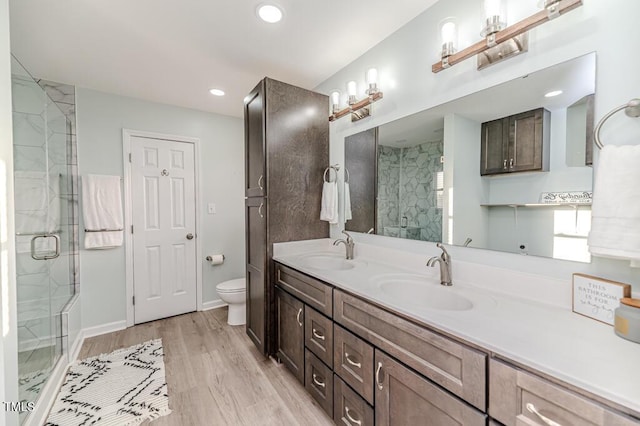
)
(215, 376)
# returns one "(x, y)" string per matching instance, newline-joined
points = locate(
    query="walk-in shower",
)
(45, 177)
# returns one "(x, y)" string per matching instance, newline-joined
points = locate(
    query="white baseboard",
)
(213, 304)
(103, 329)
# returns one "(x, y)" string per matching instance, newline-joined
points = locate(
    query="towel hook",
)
(335, 167)
(631, 108)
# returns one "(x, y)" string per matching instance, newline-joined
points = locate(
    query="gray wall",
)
(101, 118)
(404, 62)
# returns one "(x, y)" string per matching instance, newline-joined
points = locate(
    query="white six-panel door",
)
(163, 204)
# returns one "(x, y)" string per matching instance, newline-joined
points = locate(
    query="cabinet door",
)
(405, 398)
(254, 131)
(493, 153)
(256, 270)
(290, 325)
(527, 140)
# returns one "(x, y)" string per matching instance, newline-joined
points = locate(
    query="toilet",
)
(234, 293)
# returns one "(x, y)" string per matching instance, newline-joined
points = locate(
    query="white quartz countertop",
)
(543, 336)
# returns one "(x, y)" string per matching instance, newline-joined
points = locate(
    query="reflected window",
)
(570, 232)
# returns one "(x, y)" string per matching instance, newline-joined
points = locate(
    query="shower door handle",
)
(45, 256)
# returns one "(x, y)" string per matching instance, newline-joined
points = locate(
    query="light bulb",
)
(372, 76)
(448, 32)
(492, 8)
(335, 98)
(352, 88)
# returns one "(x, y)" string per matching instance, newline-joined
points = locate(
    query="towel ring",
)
(335, 167)
(631, 108)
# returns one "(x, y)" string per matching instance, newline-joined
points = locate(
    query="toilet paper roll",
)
(215, 259)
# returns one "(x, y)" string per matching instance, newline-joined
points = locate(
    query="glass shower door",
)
(42, 188)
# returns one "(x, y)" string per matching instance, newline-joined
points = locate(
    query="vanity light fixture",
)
(216, 92)
(358, 109)
(501, 41)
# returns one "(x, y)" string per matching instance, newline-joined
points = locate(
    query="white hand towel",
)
(102, 209)
(615, 213)
(347, 202)
(329, 208)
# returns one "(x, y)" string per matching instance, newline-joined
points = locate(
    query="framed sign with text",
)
(597, 298)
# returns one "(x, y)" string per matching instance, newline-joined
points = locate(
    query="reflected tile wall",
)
(407, 179)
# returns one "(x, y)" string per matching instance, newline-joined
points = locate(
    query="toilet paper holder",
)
(209, 258)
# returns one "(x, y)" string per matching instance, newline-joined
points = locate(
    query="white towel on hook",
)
(347, 202)
(329, 208)
(102, 209)
(615, 212)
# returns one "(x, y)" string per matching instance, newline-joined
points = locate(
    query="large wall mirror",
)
(473, 171)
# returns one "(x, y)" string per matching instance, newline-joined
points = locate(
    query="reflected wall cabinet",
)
(286, 152)
(518, 143)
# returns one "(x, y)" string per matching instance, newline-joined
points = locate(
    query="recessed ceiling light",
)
(269, 13)
(216, 92)
(553, 93)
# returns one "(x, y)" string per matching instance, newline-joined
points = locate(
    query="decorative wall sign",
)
(572, 197)
(597, 298)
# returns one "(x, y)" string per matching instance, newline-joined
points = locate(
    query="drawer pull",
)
(318, 382)
(317, 335)
(350, 361)
(298, 317)
(532, 409)
(378, 381)
(351, 419)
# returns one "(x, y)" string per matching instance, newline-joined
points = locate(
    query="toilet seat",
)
(232, 286)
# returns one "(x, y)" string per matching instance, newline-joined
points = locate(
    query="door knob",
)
(189, 236)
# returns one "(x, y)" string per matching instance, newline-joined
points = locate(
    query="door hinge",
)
(129, 157)
(132, 229)
(134, 300)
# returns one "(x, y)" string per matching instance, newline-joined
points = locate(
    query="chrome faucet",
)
(348, 244)
(445, 265)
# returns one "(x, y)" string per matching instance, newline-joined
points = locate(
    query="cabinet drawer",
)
(349, 409)
(318, 335)
(405, 398)
(452, 365)
(515, 395)
(318, 381)
(353, 361)
(311, 291)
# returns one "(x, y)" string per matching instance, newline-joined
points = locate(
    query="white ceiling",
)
(172, 51)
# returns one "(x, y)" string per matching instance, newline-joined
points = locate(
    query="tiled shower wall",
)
(407, 186)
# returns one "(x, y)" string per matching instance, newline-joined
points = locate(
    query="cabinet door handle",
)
(378, 381)
(350, 361)
(504, 164)
(317, 335)
(318, 382)
(260, 209)
(511, 163)
(532, 409)
(260, 183)
(350, 418)
(298, 317)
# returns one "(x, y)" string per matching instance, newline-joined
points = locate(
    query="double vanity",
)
(378, 340)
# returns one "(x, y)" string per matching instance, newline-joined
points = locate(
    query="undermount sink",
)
(328, 262)
(421, 291)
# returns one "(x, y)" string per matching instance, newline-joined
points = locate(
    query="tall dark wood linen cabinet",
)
(286, 152)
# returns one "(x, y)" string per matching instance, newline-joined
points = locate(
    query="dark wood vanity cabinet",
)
(405, 398)
(286, 152)
(518, 143)
(290, 327)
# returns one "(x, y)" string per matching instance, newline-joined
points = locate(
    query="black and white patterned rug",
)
(122, 388)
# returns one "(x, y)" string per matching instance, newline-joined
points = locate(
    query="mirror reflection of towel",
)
(347, 202)
(615, 213)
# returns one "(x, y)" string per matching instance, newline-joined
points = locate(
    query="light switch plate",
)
(211, 208)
